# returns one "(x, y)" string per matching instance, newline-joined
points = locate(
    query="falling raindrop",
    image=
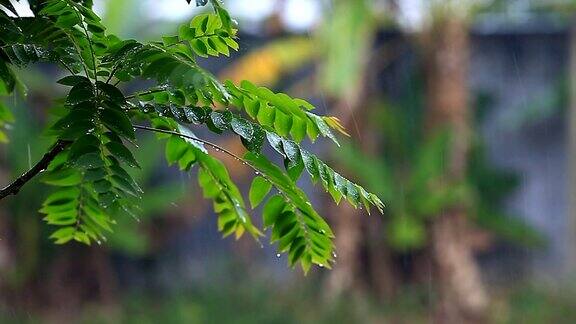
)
(29, 158)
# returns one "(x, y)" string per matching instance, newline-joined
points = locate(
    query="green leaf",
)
(272, 210)
(63, 235)
(72, 80)
(199, 47)
(65, 177)
(170, 40)
(113, 93)
(122, 153)
(89, 161)
(3, 137)
(227, 200)
(243, 128)
(125, 185)
(102, 185)
(5, 114)
(175, 149)
(221, 120)
(83, 145)
(258, 190)
(118, 122)
(95, 174)
(77, 129)
(79, 93)
(186, 33)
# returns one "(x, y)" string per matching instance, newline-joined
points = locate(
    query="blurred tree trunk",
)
(344, 276)
(347, 222)
(364, 260)
(78, 276)
(6, 257)
(462, 296)
(349, 75)
(571, 258)
(342, 78)
(6, 262)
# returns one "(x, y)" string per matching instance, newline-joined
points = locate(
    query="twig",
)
(205, 142)
(217, 148)
(134, 95)
(14, 187)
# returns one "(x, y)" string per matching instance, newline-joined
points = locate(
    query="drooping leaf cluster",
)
(96, 127)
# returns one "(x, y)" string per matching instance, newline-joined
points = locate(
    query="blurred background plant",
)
(387, 69)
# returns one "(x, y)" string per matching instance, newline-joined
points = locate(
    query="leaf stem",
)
(89, 41)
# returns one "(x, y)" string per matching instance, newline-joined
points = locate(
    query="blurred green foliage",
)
(223, 298)
(410, 176)
(346, 51)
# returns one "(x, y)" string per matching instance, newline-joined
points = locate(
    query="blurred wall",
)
(523, 68)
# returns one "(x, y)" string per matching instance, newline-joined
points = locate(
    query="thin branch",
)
(134, 95)
(14, 187)
(114, 69)
(66, 67)
(190, 40)
(217, 148)
(205, 142)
